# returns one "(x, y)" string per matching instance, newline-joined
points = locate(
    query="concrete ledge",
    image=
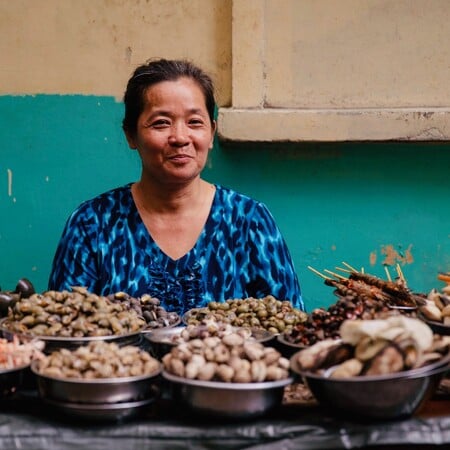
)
(326, 125)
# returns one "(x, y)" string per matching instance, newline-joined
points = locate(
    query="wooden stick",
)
(387, 273)
(343, 270)
(340, 277)
(318, 273)
(400, 273)
(349, 267)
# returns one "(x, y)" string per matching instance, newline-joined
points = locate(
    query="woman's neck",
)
(169, 200)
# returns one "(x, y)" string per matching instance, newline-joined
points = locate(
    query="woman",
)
(172, 234)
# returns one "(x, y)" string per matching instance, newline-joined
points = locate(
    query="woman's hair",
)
(155, 71)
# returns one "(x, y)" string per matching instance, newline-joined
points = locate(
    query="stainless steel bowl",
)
(286, 348)
(437, 327)
(95, 391)
(53, 343)
(228, 400)
(161, 341)
(101, 412)
(391, 396)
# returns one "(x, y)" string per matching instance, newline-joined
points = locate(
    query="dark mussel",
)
(24, 289)
(7, 300)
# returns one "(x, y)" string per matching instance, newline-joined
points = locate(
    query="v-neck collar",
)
(163, 257)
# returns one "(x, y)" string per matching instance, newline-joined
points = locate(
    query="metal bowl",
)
(286, 348)
(391, 396)
(228, 400)
(53, 343)
(12, 379)
(95, 391)
(162, 340)
(436, 326)
(101, 412)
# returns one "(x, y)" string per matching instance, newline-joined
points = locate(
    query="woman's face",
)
(174, 133)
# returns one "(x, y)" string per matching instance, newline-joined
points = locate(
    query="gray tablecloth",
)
(27, 422)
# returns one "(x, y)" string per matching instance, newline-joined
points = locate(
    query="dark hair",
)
(155, 71)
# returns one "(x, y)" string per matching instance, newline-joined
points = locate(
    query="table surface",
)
(28, 422)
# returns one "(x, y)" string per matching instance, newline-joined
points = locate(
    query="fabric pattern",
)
(240, 253)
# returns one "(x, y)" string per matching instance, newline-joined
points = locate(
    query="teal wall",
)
(333, 202)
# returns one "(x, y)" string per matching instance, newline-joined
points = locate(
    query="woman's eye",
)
(196, 122)
(161, 123)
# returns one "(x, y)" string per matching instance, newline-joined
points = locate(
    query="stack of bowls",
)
(100, 397)
(97, 399)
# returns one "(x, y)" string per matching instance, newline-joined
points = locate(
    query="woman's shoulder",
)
(113, 199)
(236, 203)
(231, 197)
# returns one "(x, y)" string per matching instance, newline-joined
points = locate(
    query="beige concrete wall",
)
(337, 70)
(357, 53)
(92, 46)
(284, 69)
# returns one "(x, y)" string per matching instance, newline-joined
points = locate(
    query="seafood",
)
(149, 308)
(24, 289)
(374, 347)
(221, 360)
(75, 313)
(16, 354)
(360, 296)
(209, 329)
(98, 359)
(267, 313)
(324, 323)
(437, 306)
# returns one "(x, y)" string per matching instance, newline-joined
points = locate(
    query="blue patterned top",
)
(240, 253)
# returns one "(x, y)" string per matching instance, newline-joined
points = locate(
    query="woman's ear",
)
(131, 140)
(213, 133)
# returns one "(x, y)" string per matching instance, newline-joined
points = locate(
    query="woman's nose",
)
(179, 135)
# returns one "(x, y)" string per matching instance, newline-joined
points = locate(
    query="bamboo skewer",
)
(387, 273)
(400, 273)
(340, 277)
(349, 266)
(402, 276)
(344, 270)
(318, 273)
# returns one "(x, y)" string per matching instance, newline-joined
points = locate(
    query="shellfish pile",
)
(374, 347)
(209, 328)
(75, 313)
(267, 313)
(437, 305)
(229, 359)
(98, 359)
(149, 308)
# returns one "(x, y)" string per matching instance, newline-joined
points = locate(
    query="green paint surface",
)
(333, 202)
